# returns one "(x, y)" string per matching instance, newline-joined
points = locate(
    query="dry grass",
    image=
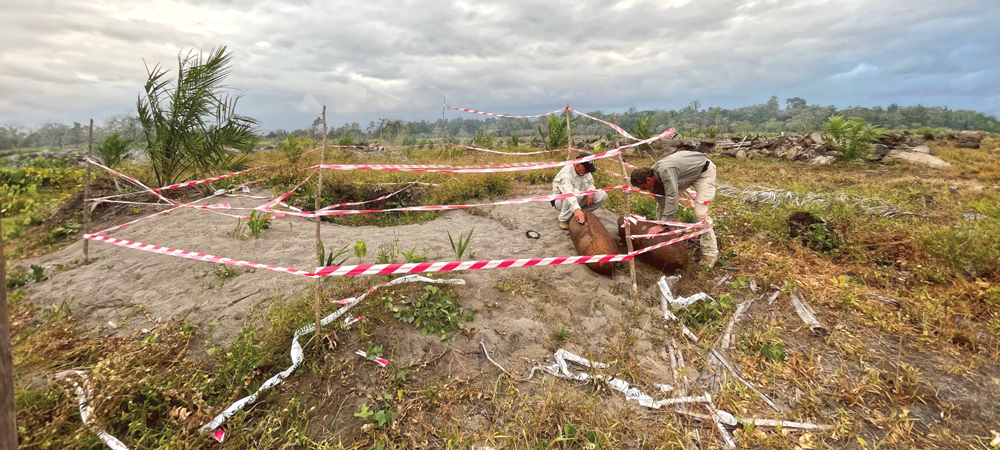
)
(920, 375)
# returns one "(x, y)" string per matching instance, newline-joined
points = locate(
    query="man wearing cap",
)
(576, 178)
(672, 175)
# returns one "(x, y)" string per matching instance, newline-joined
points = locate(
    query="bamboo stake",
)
(8, 417)
(319, 240)
(86, 196)
(628, 229)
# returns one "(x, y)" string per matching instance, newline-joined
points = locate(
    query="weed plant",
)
(434, 311)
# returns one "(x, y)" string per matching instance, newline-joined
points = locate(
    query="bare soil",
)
(125, 291)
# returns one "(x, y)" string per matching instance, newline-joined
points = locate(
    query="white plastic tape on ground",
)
(84, 392)
(561, 369)
(296, 350)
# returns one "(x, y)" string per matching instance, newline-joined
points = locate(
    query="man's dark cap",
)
(589, 165)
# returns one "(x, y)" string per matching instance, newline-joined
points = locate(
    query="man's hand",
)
(657, 229)
(578, 214)
(590, 199)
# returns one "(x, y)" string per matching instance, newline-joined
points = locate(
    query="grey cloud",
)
(379, 60)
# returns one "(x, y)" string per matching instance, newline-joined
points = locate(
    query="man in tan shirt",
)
(576, 178)
(669, 177)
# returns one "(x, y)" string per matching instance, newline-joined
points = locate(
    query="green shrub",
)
(851, 138)
(433, 311)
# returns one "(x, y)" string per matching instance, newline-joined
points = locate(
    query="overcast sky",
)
(66, 61)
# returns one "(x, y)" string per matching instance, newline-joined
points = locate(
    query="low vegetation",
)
(940, 264)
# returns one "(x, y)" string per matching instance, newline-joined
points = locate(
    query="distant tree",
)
(13, 135)
(192, 124)
(795, 103)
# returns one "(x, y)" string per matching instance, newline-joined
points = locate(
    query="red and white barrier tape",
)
(341, 212)
(382, 269)
(296, 349)
(130, 179)
(118, 227)
(194, 255)
(505, 115)
(515, 167)
(206, 180)
(338, 205)
(83, 393)
(505, 153)
(270, 204)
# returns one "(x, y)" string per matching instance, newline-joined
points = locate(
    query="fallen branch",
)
(727, 338)
(806, 313)
(487, 354)
(732, 370)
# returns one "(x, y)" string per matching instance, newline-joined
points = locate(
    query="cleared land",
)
(170, 342)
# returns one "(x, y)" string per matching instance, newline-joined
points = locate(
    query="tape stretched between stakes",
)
(505, 115)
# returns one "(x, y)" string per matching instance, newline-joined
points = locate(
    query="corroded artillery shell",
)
(666, 259)
(591, 238)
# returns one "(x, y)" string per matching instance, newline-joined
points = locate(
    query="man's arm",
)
(668, 211)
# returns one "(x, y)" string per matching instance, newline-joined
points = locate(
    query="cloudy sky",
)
(66, 60)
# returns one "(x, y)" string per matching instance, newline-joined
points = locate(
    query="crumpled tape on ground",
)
(83, 392)
(296, 350)
(561, 369)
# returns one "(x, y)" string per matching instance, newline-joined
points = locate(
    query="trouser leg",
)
(705, 187)
(566, 210)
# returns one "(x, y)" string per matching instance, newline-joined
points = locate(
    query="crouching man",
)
(669, 177)
(576, 178)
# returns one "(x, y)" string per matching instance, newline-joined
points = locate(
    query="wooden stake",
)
(8, 417)
(628, 229)
(319, 240)
(569, 137)
(86, 196)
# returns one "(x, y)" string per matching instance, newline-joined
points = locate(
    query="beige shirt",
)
(567, 181)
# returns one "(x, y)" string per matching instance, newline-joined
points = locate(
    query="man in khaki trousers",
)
(669, 177)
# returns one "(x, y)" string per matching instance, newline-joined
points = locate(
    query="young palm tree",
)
(192, 125)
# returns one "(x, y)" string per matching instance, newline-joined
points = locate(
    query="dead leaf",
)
(996, 439)
(806, 441)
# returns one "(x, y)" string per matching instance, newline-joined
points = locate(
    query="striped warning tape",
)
(505, 115)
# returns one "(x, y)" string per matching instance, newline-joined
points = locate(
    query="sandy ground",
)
(125, 290)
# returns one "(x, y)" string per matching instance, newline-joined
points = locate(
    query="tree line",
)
(796, 117)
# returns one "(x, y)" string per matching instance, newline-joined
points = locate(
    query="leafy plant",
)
(291, 149)
(17, 280)
(38, 273)
(560, 335)
(483, 140)
(642, 130)
(190, 125)
(113, 150)
(331, 259)
(556, 135)
(700, 315)
(413, 257)
(513, 141)
(462, 245)
(360, 249)
(821, 238)
(241, 229)
(851, 138)
(258, 222)
(225, 272)
(750, 343)
(433, 311)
